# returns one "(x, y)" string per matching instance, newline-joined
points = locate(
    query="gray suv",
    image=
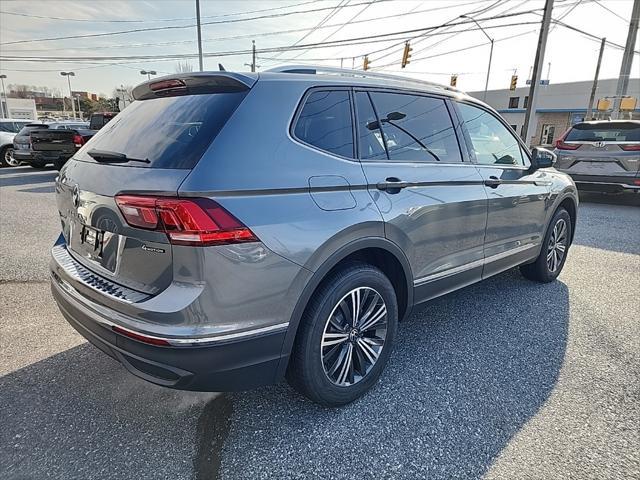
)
(228, 230)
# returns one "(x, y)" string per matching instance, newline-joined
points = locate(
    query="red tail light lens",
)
(140, 337)
(78, 140)
(630, 147)
(560, 145)
(196, 221)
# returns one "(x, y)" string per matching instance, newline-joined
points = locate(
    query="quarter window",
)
(493, 143)
(325, 122)
(416, 128)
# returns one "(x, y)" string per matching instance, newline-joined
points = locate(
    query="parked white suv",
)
(8, 129)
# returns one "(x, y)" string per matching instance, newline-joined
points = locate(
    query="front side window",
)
(492, 142)
(416, 128)
(325, 122)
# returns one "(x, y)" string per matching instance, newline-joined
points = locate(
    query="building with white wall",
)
(20, 108)
(558, 107)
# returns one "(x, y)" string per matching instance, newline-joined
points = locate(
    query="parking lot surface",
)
(503, 379)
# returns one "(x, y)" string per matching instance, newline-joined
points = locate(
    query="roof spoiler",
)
(193, 84)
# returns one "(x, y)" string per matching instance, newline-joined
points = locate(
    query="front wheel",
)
(554, 250)
(345, 336)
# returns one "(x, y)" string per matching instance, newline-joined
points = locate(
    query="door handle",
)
(492, 182)
(392, 185)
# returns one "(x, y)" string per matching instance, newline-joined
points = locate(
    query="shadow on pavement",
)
(79, 414)
(17, 176)
(469, 370)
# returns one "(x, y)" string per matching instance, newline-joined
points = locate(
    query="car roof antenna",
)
(221, 67)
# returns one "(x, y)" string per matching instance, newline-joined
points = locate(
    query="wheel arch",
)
(380, 252)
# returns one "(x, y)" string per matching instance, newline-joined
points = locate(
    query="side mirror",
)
(542, 158)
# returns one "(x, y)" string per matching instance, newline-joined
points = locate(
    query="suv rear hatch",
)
(144, 153)
(600, 148)
(53, 143)
(22, 140)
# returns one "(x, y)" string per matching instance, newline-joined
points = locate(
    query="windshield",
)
(602, 132)
(171, 132)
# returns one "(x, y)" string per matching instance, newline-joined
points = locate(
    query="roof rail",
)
(347, 72)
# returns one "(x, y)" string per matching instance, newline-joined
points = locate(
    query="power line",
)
(626, 20)
(89, 20)
(175, 27)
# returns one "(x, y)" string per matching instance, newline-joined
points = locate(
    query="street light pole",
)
(486, 83)
(594, 87)
(4, 94)
(148, 73)
(73, 105)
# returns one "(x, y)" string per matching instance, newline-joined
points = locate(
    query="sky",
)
(437, 53)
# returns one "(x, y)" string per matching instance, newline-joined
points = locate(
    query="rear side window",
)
(170, 132)
(416, 128)
(325, 122)
(598, 132)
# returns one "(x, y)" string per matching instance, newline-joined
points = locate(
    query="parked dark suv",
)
(227, 230)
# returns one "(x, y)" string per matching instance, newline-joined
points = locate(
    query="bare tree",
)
(184, 67)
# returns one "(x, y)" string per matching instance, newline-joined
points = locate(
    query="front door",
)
(518, 197)
(434, 204)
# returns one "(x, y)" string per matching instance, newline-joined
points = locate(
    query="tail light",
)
(560, 145)
(193, 221)
(78, 140)
(630, 147)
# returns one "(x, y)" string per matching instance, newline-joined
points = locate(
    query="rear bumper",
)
(29, 156)
(606, 183)
(222, 363)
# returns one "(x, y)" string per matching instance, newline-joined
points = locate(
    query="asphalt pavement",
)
(503, 379)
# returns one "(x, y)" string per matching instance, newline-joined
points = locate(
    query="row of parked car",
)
(40, 144)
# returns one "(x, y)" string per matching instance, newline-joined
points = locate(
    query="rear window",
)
(598, 132)
(170, 132)
(27, 129)
(325, 122)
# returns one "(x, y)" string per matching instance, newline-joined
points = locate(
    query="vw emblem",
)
(75, 196)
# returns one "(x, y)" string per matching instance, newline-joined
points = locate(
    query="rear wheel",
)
(37, 164)
(554, 250)
(345, 337)
(6, 157)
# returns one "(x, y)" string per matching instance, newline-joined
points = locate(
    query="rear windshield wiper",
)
(107, 156)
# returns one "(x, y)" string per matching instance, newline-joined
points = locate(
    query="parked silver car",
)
(602, 155)
(227, 230)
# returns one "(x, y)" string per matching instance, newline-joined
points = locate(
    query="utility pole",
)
(592, 98)
(537, 73)
(199, 34)
(253, 55)
(4, 94)
(627, 59)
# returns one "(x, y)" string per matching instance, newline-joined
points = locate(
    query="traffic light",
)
(454, 80)
(514, 82)
(406, 55)
(365, 66)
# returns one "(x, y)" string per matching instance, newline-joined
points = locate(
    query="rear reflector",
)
(630, 147)
(636, 182)
(140, 337)
(194, 221)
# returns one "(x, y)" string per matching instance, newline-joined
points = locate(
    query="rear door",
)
(517, 196)
(433, 203)
(162, 137)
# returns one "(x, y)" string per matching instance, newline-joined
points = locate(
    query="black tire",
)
(541, 270)
(307, 370)
(39, 164)
(59, 163)
(5, 153)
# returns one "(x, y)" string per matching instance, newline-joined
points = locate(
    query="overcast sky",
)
(572, 55)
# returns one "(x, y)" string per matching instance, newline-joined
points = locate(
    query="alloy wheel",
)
(354, 336)
(8, 158)
(557, 245)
